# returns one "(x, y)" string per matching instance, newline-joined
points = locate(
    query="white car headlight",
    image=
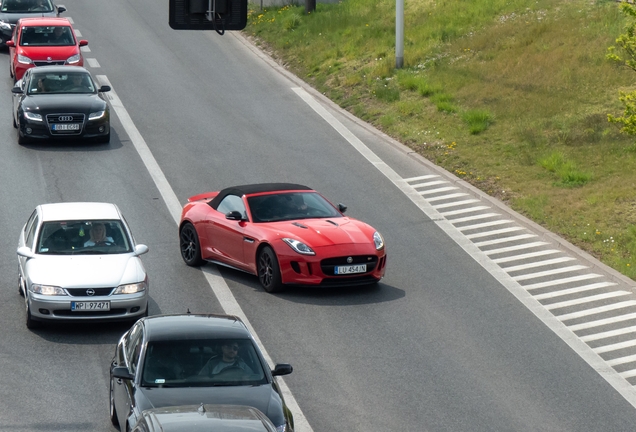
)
(299, 247)
(131, 288)
(96, 115)
(24, 59)
(47, 290)
(378, 240)
(32, 116)
(73, 59)
(5, 26)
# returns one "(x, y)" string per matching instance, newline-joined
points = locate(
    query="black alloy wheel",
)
(269, 271)
(189, 245)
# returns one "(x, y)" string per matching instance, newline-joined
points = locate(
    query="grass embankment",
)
(510, 95)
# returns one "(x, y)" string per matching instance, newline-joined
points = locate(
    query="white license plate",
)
(339, 270)
(90, 306)
(65, 127)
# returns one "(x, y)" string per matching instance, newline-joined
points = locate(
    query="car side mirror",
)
(16, 90)
(342, 207)
(83, 42)
(60, 9)
(123, 373)
(25, 252)
(10, 43)
(141, 249)
(234, 215)
(282, 369)
(104, 89)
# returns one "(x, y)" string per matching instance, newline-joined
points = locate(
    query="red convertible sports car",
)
(287, 234)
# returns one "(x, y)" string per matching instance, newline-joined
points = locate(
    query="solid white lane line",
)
(431, 183)
(609, 334)
(418, 178)
(576, 290)
(538, 264)
(215, 280)
(622, 360)
(602, 322)
(514, 248)
(455, 204)
(549, 272)
(580, 347)
(494, 232)
(584, 300)
(472, 218)
(561, 281)
(504, 240)
(434, 191)
(525, 256)
(595, 311)
(92, 62)
(464, 211)
(484, 225)
(615, 347)
(445, 197)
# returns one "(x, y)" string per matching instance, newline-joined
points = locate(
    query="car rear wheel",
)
(189, 245)
(113, 411)
(269, 270)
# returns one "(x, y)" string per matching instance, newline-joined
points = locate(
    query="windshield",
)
(202, 363)
(24, 6)
(46, 36)
(76, 82)
(83, 238)
(290, 205)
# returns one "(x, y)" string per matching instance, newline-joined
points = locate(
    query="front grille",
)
(49, 63)
(62, 118)
(69, 313)
(81, 292)
(327, 265)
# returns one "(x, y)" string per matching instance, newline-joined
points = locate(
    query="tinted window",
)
(292, 205)
(83, 237)
(133, 347)
(78, 82)
(22, 6)
(47, 36)
(33, 221)
(232, 203)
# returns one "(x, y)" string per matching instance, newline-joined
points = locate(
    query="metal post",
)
(310, 6)
(399, 34)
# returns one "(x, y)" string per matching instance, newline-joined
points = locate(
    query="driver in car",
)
(228, 359)
(98, 236)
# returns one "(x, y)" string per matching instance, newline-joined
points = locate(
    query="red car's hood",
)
(326, 232)
(43, 52)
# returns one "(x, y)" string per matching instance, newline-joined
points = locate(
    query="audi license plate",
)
(65, 126)
(90, 306)
(339, 270)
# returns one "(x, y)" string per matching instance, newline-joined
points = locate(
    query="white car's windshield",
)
(83, 237)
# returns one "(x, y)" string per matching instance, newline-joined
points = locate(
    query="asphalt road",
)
(439, 345)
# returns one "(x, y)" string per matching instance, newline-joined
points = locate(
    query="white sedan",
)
(79, 261)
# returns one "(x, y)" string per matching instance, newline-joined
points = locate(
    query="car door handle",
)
(249, 240)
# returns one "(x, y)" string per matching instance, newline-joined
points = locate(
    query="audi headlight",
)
(378, 240)
(96, 115)
(32, 116)
(47, 290)
(299, 247)
(5, 26)
(24, 59)
(73, 59)
(131, 288)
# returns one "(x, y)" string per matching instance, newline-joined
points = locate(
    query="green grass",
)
(510, 95)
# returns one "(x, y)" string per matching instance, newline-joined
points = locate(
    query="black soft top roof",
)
(254, 188)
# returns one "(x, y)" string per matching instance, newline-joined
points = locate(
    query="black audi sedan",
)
(60, 103)
(176, 360)
(12, 10)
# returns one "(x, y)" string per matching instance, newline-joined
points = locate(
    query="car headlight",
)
(5, 26)
(281, 428)
(131, 288)
(47, 290)
(73, 59)
(299, 247)
(96, 115)
(378, 240)
(24, 59)
(32, 116)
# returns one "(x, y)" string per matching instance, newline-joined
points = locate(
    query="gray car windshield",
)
(76, 82)
(83, 237)
(289, 206)
(25, 6)
(202, 363)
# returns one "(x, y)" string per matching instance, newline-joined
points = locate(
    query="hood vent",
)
(332, 222)
(299, 225)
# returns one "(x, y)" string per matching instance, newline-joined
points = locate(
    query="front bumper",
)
(90, 129)
(58, 308)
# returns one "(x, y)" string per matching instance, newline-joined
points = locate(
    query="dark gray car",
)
(12, 10)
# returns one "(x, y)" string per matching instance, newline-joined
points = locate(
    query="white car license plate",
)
(90, 306)
(65, 127)
(339, 270)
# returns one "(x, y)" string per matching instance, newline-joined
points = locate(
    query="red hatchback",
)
(43, 42)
